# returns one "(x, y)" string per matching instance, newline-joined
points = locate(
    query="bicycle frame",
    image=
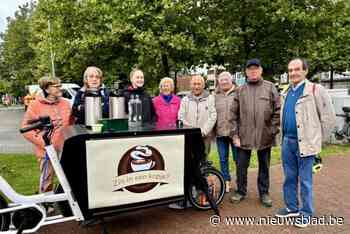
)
(20, 202)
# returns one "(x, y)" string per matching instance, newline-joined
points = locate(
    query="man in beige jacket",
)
(307, 118)
(198, 110)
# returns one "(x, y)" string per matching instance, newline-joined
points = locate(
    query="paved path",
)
(11, 141)
(332, 189)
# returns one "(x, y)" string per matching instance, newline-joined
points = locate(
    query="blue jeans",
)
(297, 169)
(223, 144)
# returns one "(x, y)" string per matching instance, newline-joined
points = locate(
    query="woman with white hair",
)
(167, 104)
(92, 81)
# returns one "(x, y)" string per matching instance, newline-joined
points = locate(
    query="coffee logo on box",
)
(140, 169)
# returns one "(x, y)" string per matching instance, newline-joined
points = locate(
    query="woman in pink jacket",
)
(167, 104)
(49, 104)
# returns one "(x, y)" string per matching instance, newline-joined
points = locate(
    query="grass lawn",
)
(22, 171)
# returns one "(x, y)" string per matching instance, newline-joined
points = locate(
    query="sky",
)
(8, 8)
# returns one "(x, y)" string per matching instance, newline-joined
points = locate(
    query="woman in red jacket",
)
(50, 104)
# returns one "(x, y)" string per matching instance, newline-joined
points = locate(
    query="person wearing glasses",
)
(92, 81)
(51, 104)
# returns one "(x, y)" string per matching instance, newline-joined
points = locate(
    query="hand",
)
(237, 141)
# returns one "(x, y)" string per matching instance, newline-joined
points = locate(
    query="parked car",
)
(69, 90)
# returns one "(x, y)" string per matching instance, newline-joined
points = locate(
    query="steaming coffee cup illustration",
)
(141, 160)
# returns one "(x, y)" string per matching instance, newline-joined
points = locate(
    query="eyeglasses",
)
(56, 86)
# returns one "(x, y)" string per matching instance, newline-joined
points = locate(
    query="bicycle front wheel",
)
(216, 185)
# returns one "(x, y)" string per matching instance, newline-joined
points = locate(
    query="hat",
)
(254, 61)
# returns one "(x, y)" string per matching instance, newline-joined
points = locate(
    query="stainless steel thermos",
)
(93, 107)
(117, 105)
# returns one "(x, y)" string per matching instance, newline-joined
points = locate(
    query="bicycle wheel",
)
(4, 218)
(216, 185)
(347, 131)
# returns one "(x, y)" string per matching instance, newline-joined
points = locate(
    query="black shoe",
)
(266, 200)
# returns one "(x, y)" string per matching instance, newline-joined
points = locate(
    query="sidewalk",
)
(10, 108)
(331, 192)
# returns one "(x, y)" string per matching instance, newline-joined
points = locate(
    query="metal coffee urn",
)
(93, 107)
(117, 103)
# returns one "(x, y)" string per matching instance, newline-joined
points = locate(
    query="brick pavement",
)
(331, 192)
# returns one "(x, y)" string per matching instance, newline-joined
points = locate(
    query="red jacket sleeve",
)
(32, 136)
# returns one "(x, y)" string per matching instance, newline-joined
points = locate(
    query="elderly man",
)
(307, 118)
(223, 103)
(256, 118)
(198, 110)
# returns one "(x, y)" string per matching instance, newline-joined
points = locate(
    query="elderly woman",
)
(136, 88)
(53, 105)
(92, 81)
(167, 104)
(223, 104)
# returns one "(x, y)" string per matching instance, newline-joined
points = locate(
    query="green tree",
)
(16, 53)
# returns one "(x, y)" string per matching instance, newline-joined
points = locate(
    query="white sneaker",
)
(301, 222)
(179, 205)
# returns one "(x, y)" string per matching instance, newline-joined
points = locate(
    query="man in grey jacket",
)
(198, 110)
(307, 118)
(256, 117)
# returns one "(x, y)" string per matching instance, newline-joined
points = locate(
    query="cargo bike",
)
(114, 171)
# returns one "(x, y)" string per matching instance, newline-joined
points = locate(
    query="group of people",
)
(242, 119)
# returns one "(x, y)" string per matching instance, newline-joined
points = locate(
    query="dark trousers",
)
(243, 160)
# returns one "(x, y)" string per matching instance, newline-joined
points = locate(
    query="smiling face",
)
(225, 82)
(137, 79)
(93, 78)
(54, 91)
(254, 73)
(296, 72)
(197, 85)
(167, 88)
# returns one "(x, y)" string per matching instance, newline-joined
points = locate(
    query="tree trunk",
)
(331, 78)
(165, 64)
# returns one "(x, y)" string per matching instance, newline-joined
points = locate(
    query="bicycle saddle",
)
(346, 109)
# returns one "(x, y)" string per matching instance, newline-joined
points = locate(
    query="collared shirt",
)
(289, 118)
(298, 85)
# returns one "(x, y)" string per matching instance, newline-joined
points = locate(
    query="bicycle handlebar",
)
(341, 115)
(38, 123)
